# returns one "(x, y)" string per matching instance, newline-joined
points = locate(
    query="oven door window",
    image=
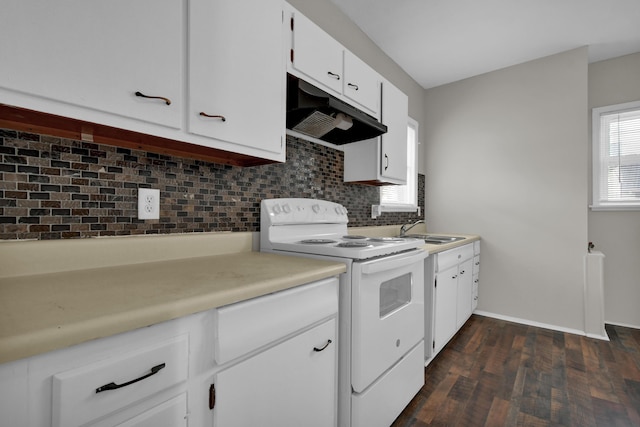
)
(394, 294)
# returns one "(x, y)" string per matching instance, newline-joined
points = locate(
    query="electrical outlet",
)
(148, 203)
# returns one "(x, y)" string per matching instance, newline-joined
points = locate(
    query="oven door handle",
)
(380, 265)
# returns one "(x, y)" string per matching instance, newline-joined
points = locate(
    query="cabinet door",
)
(361, 83)
(316, 54)
(237, 72)
(97, 54)
(288, 385)
(465, 292)
(445, 306)
(395, 112)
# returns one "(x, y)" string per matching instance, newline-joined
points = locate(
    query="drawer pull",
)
(217, 116)
(351, 85)
(142, 95)
(325, 346)
(113, 386)
(334, 75)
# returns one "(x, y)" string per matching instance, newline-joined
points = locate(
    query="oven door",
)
(387, 313)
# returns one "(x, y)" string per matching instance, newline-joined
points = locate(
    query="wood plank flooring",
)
(497, 373)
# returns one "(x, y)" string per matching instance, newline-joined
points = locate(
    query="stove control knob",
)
(277, 209)
(316, 208)
(338, 210)
(286, 208)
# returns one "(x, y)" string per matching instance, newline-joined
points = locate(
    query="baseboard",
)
(539, 325)
(624, 325)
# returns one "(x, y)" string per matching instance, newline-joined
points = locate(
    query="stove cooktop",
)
(319, 227)
(354, 247)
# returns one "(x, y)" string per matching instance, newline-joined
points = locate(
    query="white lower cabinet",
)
(278, 359)
(270, 360)
(453, 276)
(289, 384)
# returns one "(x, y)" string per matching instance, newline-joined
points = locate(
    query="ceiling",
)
(442, 41)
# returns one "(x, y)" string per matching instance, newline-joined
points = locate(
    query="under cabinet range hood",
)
(313, 112)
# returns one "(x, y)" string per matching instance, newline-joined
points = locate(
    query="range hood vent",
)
(313, 112)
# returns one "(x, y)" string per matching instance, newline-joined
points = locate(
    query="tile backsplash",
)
(56, 188)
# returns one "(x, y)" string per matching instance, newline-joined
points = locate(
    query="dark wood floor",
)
(497, 373)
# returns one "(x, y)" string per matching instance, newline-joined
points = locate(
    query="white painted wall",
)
(507, 156)
(617, 234)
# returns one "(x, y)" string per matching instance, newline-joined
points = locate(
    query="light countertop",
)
(55, 294)
(44, 312)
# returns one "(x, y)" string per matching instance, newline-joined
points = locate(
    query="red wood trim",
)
(25, 120)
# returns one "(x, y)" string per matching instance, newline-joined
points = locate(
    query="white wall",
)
(507, 159)
(617, 234)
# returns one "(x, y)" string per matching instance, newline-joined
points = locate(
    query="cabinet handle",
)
(462, 272)
(454, 277)
(387, 162)
(355, 87)
(113, 386)
(325, 346)
(142, 95)
(203, 114)
(334, 75)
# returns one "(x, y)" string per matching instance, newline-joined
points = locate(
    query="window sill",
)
(615, 207)
(376, 210)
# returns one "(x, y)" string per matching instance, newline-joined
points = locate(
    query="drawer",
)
(249, 325)
(448, 259)
(476, 264)
(172, 413)
(84, 394)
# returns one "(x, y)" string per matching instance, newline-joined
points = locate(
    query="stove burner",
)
(354, 237)
(387, 239)
(353, 245)
(317, 241)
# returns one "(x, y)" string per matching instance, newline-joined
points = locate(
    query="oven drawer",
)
(381, 403)
(248, 325)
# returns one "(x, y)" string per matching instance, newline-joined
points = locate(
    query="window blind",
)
(619, 158)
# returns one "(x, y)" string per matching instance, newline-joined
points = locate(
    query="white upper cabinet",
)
(318, 58)
(395, 114)
(361, 83)
(382, 160)
(152, 67)
(96, 55)
(237, 72)
(316, 54)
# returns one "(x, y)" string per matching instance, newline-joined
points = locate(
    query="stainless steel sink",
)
(435, 239)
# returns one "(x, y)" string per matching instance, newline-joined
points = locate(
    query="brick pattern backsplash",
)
(56, 188)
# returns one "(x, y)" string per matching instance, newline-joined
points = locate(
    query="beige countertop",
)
(53, 310)
(394, 230)
(55, 294)
(434, 249)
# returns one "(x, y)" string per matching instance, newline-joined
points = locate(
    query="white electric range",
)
(381, 297)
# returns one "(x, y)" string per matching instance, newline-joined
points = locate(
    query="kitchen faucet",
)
(404, 228)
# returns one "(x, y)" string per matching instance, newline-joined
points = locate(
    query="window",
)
(616, 157)
(404, 198)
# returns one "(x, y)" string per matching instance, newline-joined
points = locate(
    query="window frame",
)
(598, 204)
